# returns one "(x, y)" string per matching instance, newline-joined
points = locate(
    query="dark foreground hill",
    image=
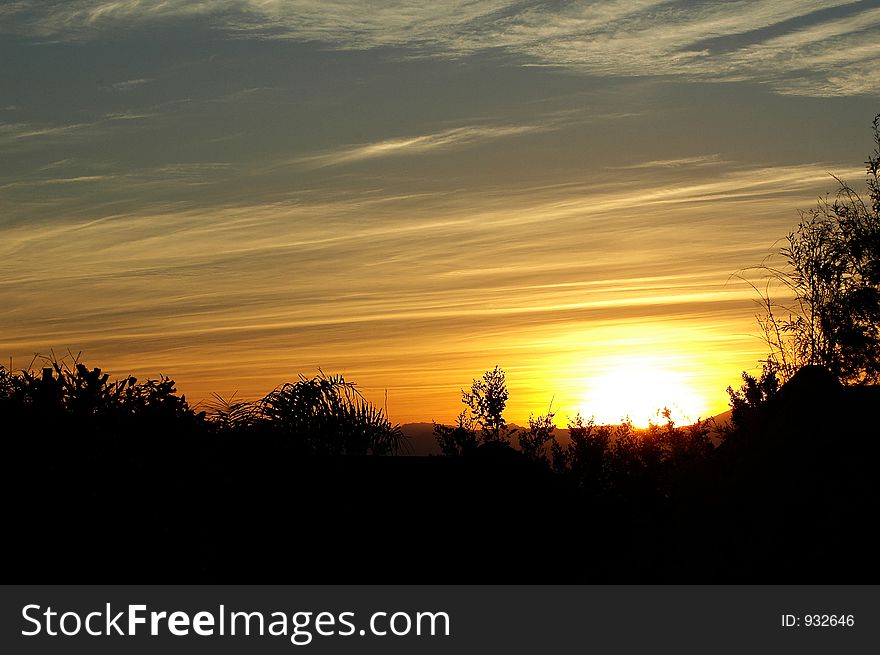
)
(792, 496)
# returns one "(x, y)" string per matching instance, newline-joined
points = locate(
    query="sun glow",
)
(640, 392)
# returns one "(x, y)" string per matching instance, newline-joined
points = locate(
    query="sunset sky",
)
(235, 192)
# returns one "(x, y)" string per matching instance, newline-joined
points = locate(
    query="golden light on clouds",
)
(572, 289)
(283, 187)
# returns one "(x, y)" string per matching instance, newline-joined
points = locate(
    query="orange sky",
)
(412, 197)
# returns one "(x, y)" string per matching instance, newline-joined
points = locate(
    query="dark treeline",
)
(124, 481)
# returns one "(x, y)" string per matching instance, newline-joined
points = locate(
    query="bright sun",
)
(640, 392)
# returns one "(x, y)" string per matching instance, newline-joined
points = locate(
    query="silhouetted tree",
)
(458, 439)
(486, 401)
(584, 458)
(533, 441)
(682, 445)
(639, 465)
(633, 463)
(832, 268)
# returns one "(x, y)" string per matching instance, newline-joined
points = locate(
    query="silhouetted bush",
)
(747, 401)
(70, 403)
(325, 415)
(622, 461)
(533, 441)
(459, 439)
(231, 414)
(585, 458)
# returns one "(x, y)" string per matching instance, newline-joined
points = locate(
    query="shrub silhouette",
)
(459, 439)
(624, 462)
(73, 391)
(585, 458)
(70, 420)
(231, 414)
(683, 445)
(325, 415)
(747, 401)
(533, 441)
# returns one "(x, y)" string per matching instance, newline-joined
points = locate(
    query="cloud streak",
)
(696, 160)
(126, 85)
(24, 135)
(545, 277)
(801, 47)
(452, 138)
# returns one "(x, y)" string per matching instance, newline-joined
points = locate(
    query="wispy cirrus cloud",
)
(22, 135)
(697, 160)
(11, 132)
(368, 283)
(414, 145)
(125, 85)
(805, 47)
